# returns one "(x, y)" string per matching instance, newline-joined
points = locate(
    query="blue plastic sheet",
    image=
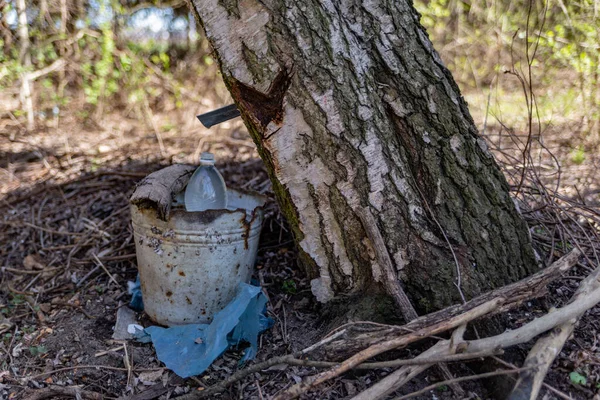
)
(135, 290)
(189, 350)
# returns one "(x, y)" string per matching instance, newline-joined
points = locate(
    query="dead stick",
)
(399, 362)
(47, 230)
(512, 295)
(461, 379)
(400, 377)
(105, 270)
(55, 391)
(297, 389)
(562, 264)
(28, 272)
(390, 280)
(547, 348)
(537, 326)
(55, 371)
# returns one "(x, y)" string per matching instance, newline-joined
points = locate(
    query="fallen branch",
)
(426, 326)
(447, 320)
(399, 378)
(54, 391)
(508, 297)
(545, 350)
(507, 339)
(537, 326)
(453, 322)
(462, 379)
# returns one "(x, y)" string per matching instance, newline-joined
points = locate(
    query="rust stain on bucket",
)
(212, 251)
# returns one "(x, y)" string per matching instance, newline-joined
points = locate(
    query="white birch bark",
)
(374, 157)
(25, 59)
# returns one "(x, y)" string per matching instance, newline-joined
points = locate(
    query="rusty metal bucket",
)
(191, 264)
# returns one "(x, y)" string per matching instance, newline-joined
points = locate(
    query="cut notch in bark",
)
(263, 108)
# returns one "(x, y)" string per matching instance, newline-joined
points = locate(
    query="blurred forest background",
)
(113, 73)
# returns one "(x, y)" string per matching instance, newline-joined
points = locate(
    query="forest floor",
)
(65, 238)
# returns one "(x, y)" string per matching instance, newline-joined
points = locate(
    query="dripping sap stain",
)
(263, 107)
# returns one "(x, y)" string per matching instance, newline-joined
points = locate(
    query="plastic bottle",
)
(206, 189)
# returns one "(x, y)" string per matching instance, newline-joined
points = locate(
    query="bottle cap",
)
(207, 158)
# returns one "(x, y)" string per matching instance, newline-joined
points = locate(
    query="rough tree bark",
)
(373, 155)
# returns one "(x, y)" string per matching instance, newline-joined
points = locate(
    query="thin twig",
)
(399, 362)
(461, 379)
(55, 371)
(547, 386)
(327, 339)
(55, 391)
(376, 349)
(52, 231)
(28, 272)
(105, 270)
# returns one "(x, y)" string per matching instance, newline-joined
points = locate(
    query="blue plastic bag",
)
(189, 350)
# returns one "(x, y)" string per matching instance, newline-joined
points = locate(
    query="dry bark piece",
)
(158, 189)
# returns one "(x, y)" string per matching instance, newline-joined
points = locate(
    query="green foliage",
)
(108, 60)
(578, 155)
(479, 41)
(37, 350)
(100, 80)
(432, 11)
(17, 299)
(289, 286)
(577, 378)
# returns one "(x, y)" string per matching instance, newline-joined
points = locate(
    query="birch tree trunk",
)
(374, 157)
(25, 59)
